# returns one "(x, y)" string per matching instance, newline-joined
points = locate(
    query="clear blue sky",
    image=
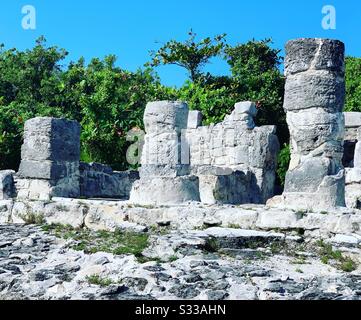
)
(130, 29)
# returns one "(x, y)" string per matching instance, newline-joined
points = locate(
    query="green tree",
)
(353, 84)
(112, 103)
(256, 76)
(28, 88)
(190, 54)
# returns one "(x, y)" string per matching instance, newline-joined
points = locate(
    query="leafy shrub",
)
(284, 158)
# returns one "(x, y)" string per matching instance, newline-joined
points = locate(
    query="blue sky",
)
(130, 29)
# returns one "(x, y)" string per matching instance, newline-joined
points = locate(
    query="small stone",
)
(217, 295)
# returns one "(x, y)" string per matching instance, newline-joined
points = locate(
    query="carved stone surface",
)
(100, 181)
(314, 99)
(49, 159)
(164, 176)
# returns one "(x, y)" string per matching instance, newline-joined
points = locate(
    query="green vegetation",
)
(109, 101)
(335, 257)
(33, 218)
(284, 158)
(117, 242)
(99, 281)
(353, 84)
(234, 226)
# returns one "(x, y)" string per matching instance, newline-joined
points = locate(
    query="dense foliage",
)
(109, 101)
(106, 100)
(284, 158)
(353, 84)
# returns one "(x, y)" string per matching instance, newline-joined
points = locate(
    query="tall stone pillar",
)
(164, 177)
(314, 100)
(49, 159)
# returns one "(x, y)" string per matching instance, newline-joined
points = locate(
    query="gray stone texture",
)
(235, 145)
(100, 181)
(49, 159)
(195, 118)
(353, 171)
(164, 177)
(314, 99)
(234, 161)
(51, 139)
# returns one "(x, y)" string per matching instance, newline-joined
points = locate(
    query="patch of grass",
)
(300, 260)
(299, 270)
(211, 245)
(99, 281)
(234, 226)
(260, 255)
(118, 242)
(328, 255)
(33, 218)
(173, 258)
(159, 230)
(276, 247)
(323, 212)
(348, 265)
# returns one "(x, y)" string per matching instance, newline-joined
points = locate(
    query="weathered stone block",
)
(162, 190)
(161, 149)
(231, 188)
(312, 129)
(48, 170)
(245, 107)
(194, 119)
(320, 54)
(308, 176)
(100, 181)
(51, 139)
(165, 116)
(315, 89)
(352, 119)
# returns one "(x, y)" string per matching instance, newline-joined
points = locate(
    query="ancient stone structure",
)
(352, 159)
(164, 177)
(231, 162)
(50, 167)
(314, 100)
(234, 160)
(100, 181)
(49, 159)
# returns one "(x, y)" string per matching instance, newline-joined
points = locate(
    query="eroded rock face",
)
(230, 162)
(314, 100)
(49, 159)
(164, 176)
(100, 181)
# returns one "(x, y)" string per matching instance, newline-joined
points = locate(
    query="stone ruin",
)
(50, 167)
(232, 162)
(352, 159)
(314, 101)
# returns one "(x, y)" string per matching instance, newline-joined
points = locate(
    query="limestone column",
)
(49, 159)
(314, 101)
(164, 175)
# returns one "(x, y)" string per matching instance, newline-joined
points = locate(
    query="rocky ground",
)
(217, 263)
